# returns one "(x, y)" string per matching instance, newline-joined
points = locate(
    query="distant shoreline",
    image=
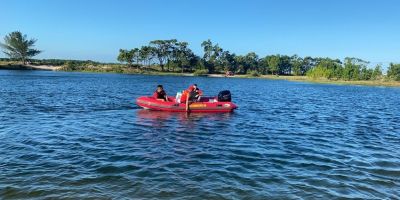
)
(270, 77)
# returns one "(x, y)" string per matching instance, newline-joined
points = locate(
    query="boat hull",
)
(205, 105)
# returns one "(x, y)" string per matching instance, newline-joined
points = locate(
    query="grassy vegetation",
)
(254, 73)
(200, 72)
(386, 83)
(380, 82)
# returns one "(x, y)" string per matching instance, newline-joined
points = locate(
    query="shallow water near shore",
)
(81, 136)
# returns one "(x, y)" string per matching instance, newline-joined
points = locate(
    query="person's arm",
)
(199, 94)
(187, 103)
(166, 97)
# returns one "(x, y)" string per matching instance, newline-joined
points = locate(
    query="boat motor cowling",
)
(224, 96)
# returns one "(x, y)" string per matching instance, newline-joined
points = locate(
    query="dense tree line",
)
(168, 54)
(173, 55)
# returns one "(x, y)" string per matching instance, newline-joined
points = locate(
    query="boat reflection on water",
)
(168, 119)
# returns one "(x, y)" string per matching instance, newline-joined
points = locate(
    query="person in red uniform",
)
(160, 94)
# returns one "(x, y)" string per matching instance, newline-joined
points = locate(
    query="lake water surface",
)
(81, 136)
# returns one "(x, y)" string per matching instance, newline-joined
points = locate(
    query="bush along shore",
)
(173, 57)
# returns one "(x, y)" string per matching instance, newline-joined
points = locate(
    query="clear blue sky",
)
(96, 29)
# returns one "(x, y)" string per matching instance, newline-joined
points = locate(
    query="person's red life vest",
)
(160, 95)
(184, 95)
(188, 91)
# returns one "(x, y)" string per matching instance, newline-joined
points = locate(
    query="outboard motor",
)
(224, 96)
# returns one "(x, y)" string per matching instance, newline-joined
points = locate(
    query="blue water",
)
(81, 136)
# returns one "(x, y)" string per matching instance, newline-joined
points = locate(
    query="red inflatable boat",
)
(206, 104)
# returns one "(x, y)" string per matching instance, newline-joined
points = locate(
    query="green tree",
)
(285, 66)
(394, 71)
(377, 73)
(297, 65)
(183, 55)
(326, 68)
(136, 55)
(308, 63)
(146, 54)
(194, 62)
(250, 62)
(161, 51)
(240, 62)
(263, 66)
(18, 46)
(366, 73)
(228, 62)
(212, 53)
(353, 69)
(208, 49)
(172, 47)
(273, 63)
(126, 56)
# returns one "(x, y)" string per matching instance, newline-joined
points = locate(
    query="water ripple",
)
(80, 136)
